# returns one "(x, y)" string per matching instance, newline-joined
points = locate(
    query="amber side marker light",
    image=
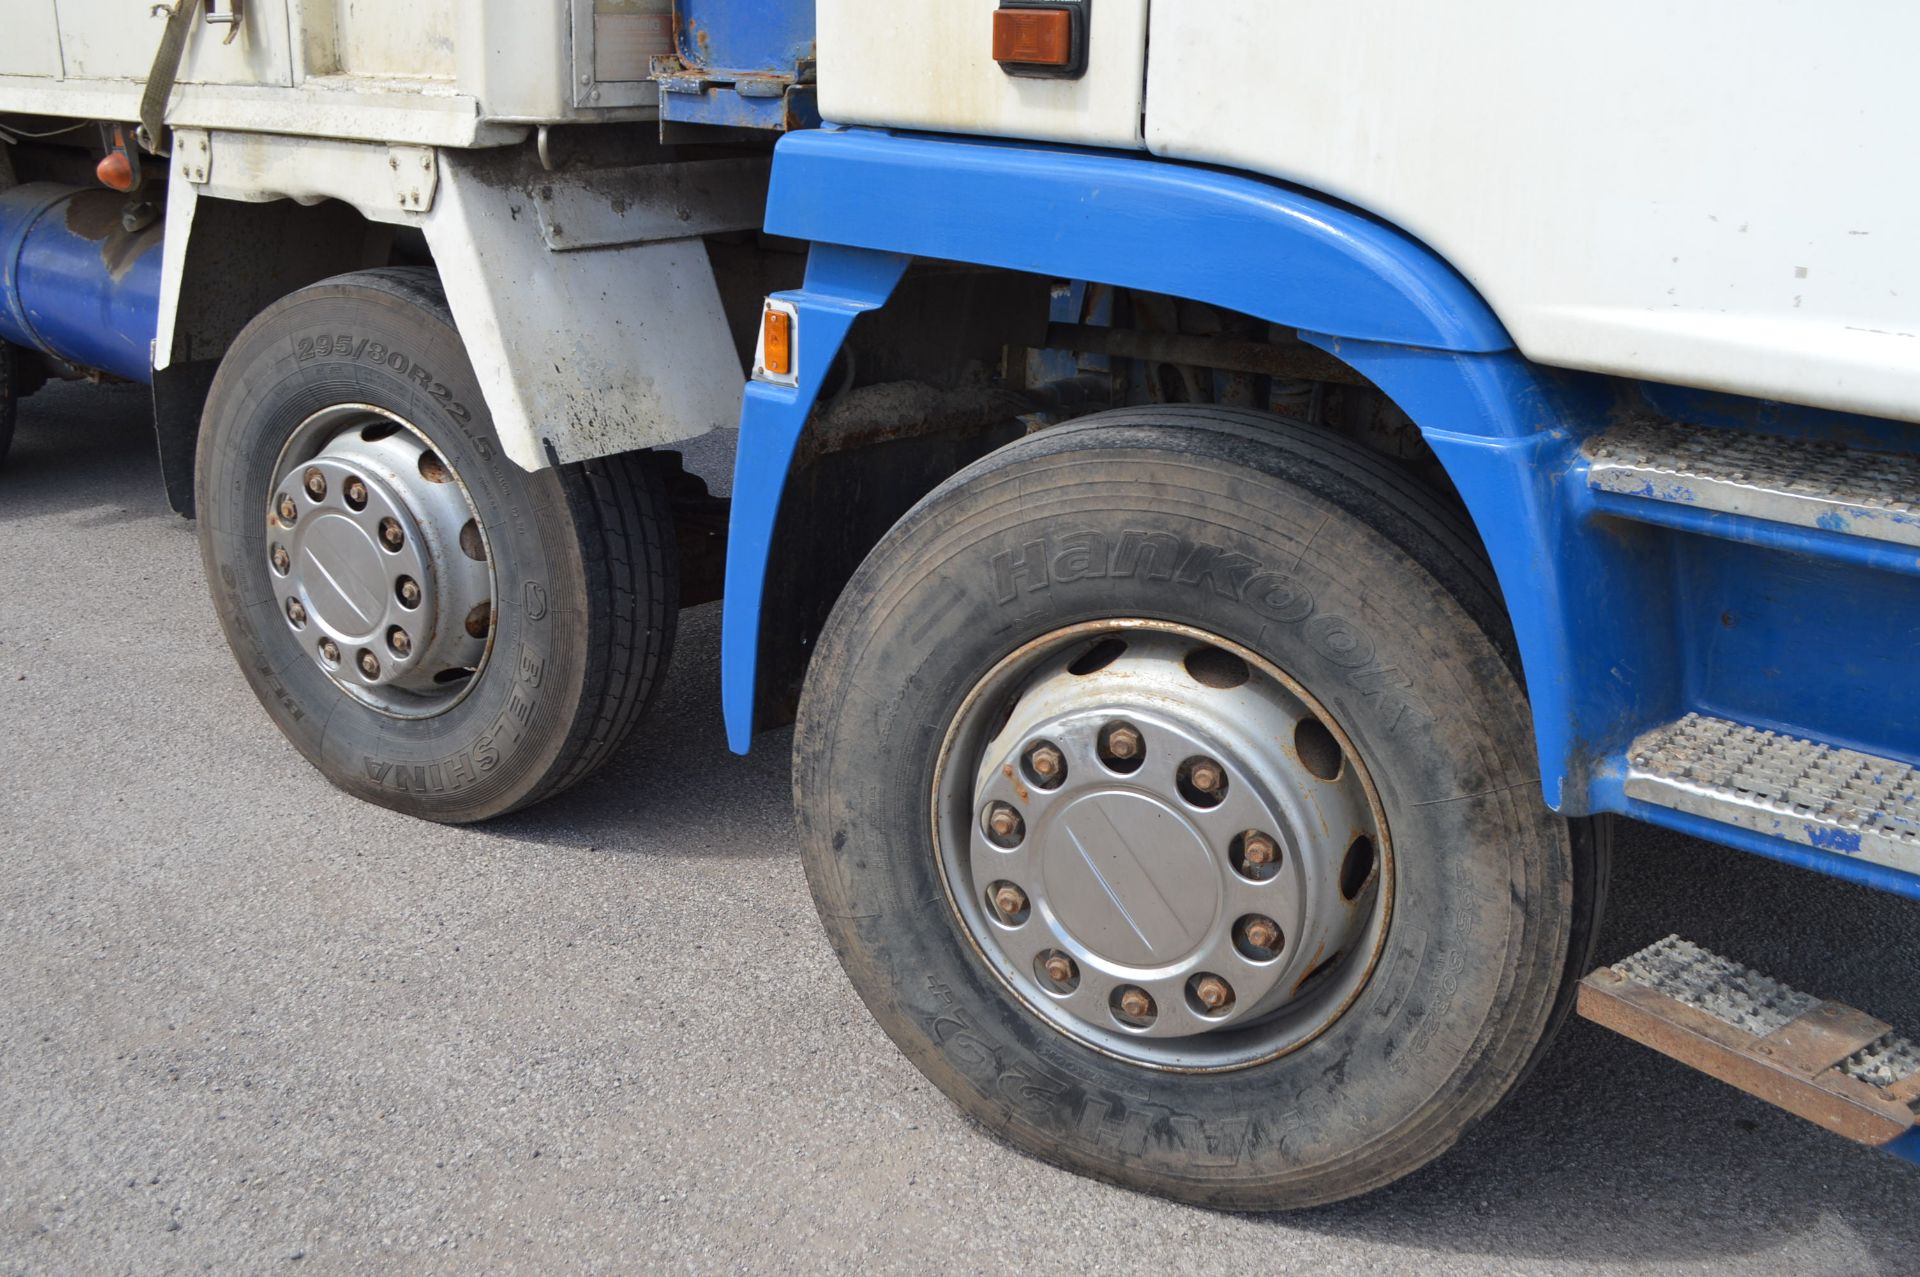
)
(1033, 37)
(776, 342)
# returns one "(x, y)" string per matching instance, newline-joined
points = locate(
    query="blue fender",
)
(1366, 292)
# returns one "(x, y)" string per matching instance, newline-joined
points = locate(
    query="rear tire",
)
(567, 597)
(1357, 585)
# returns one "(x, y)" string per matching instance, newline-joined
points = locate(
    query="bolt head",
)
(1263, 933)
(400, 642)
(1003, 822)
(1206, 775)
(330, 651)
(1136, 1003)
(410, 592)
(288, 510)
(1059, 968)
(280, 560)
(370, 665)
(356, 492)
(1260, 849)
(316, 485)
(1009, 900)
(1212, 992)
(390, 533)
(296, 611)
(1123, 742)
(1047, 762)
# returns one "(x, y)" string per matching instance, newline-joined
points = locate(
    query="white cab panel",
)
(928, 64)
(1719, 193)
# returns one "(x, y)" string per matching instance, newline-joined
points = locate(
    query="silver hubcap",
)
(1163, 845)
(379, 562)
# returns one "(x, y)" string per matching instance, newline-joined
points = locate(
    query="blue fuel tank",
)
(74, 282)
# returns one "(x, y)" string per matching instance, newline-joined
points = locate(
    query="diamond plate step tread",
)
(1817, 795)
(1823, 1061)
(1812, 485)
(1755, 1003)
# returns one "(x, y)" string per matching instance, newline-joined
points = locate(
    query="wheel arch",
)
(1356, 287)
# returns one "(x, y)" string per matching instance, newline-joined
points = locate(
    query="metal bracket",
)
(233, 19)
(193, 154)
(416, 176)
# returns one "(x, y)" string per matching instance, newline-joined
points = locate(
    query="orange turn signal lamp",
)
(776, 342)
(1033, 37)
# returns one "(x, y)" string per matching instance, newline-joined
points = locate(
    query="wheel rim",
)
(1162, 845)
(379, 562)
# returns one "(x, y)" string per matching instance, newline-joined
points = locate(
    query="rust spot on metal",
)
(1019, 786)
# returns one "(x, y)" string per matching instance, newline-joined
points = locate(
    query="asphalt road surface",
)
(248, 1024)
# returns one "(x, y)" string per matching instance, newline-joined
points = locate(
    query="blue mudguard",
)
(1596, 660)
(1363, 290)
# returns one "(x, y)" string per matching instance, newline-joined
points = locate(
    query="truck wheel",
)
(436, 629)
(1168, 792)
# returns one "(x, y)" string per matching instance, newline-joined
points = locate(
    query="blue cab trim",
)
(840, 283)
(1621, 623)
(1249, 245)
(1831, 863)
(1906, 1147)
(870, 201)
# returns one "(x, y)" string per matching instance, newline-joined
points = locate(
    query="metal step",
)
(1810, 485)
(1833, 1065)
(1800, 790)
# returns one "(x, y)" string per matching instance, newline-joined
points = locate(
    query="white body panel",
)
(1716, 194)
(930, 66)
(442, 72)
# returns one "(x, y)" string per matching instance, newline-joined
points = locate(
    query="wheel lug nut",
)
(370, 665)
(296, 611)
(329, 651)
(1206, 775)
(1009, 900)
(280, 560)
(288, 510)
(1262, 933)
(399, 641)
(1135, 1003)
(1123, 742)
(409, 591)
(316, 485)
(1060, 969)
(390, 534)
(1004, 825)
(1046, 762)
(1259, 849)
(1212, 992)
(356, 493)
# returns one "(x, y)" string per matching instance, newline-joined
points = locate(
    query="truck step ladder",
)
(1837, 1067)
(1803, 791)
(1871, 495)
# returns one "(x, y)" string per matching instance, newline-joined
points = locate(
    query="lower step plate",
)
(1835, 1066)
(1817, 795)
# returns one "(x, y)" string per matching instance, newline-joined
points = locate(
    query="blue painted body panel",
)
(1215, 237)
(73, 284)
(1906, 1147)
(1628, 613)
(742, 61)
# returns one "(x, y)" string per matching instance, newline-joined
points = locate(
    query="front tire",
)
(437, 630)
(1184, 556)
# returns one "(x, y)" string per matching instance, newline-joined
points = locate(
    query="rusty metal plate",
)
(1843, 1105)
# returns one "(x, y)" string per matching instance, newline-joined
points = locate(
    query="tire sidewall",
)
(386, 343)
(1480, 871)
